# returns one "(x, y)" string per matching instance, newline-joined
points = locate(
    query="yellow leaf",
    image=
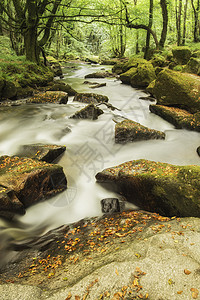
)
(116, 272)
(69, 296)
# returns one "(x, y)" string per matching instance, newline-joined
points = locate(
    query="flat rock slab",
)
(157, 187)
(90, 98)
(89, 112)
(180, 118)
(31, 180)
(42, 152)
(100, 75)
(130, 255)
(130, 131)
(61, 86)
(50, 97)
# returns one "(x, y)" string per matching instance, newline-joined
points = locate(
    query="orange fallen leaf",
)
(69, 296)
(195, 293)
(77, 298)
(116, 271)
(187, 272)
(179, 292)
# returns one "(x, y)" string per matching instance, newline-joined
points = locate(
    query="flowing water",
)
(90, 148)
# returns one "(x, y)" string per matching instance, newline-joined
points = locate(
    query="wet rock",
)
(41, 152)
(198, 150)
(50, 97)
(89, 112)
(193, 66)
(181, 54)
(61, 86)
(110, 205)
(99, 75)
(99, 85)
(157, 187)
(59, 135)
(130, 131)
(31, 180)
(180, 118)
(9, 203)
(109, 62)
(139, 76)
(177, 89)
(90, 98)
(7, 89)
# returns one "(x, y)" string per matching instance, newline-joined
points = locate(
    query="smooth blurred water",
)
(90, 148)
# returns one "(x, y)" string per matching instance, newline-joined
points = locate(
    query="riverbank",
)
(131, 255)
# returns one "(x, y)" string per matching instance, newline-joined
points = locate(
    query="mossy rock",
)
(196, 54)
(144, 76)
(133, 63)
(99, 75)
(50, 97)
(181, 54)
(31, 180)
(157, 187)
(62, 87)
(193, 66)
(130, 131)
(126, 77)
(180, 118)
(9, 204)
(159, 61)
(90, 98)
(8, 90)
(178, 68)
(118, 68)
(177, 89)
(42, 152)
(89, 112)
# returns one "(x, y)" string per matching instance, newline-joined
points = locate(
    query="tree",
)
(163, 37)
(29, 16)
(196, 20)
(150, 26)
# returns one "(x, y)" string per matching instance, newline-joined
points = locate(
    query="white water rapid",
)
(90, 149)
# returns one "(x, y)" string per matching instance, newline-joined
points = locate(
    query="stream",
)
(90, 149)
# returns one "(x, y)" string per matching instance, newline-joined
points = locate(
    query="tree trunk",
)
(31, 45)
(196, 21)
(163, 37)
(184, 22)
(148, 37)
(178, 21)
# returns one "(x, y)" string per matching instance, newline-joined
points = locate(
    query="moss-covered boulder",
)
(31, 180)
(144, 76)
(181, 54)
(133, 63)
(177, 89)
(9, 203)
(159, 61)
(157, 187)
(139, 76)
(62, 87)
(130, 131)
(91, 112)
(90, 98)
(193, 66)
(8, 89)
(126, 77)
(41, 152)
(50, 97)
(180, 118)
(99, 75)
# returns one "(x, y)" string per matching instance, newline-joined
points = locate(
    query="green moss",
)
(181, 54)
(144, 76)
(126, 77)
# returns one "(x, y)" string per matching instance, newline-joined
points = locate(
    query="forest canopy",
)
(114, 28)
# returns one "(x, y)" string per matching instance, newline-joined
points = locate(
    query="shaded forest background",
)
(79, 29)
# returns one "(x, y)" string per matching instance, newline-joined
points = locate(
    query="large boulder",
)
(9, 203)
(130, 131)
(90, 98)
(61, 86)
(31, 180)
(7, 89)
(193, 66)
(181, 54)
(180, 118)
(157, 187)
(50, 97)
(139, 76)
(89, 112)
(177, 89)
(41, 152)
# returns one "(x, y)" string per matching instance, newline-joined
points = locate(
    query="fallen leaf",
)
(187, 272)
(195, 293)
(116, 271)
(179, 292)
(77, 298)
(69, 296)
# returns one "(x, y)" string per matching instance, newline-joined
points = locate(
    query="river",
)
(90, 148)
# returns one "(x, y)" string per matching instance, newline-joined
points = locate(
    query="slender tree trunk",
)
(178, 13)
(184, 22)
(196, 21)
(1, 14)
(163, 37)
(137, 50)
(148, 36)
